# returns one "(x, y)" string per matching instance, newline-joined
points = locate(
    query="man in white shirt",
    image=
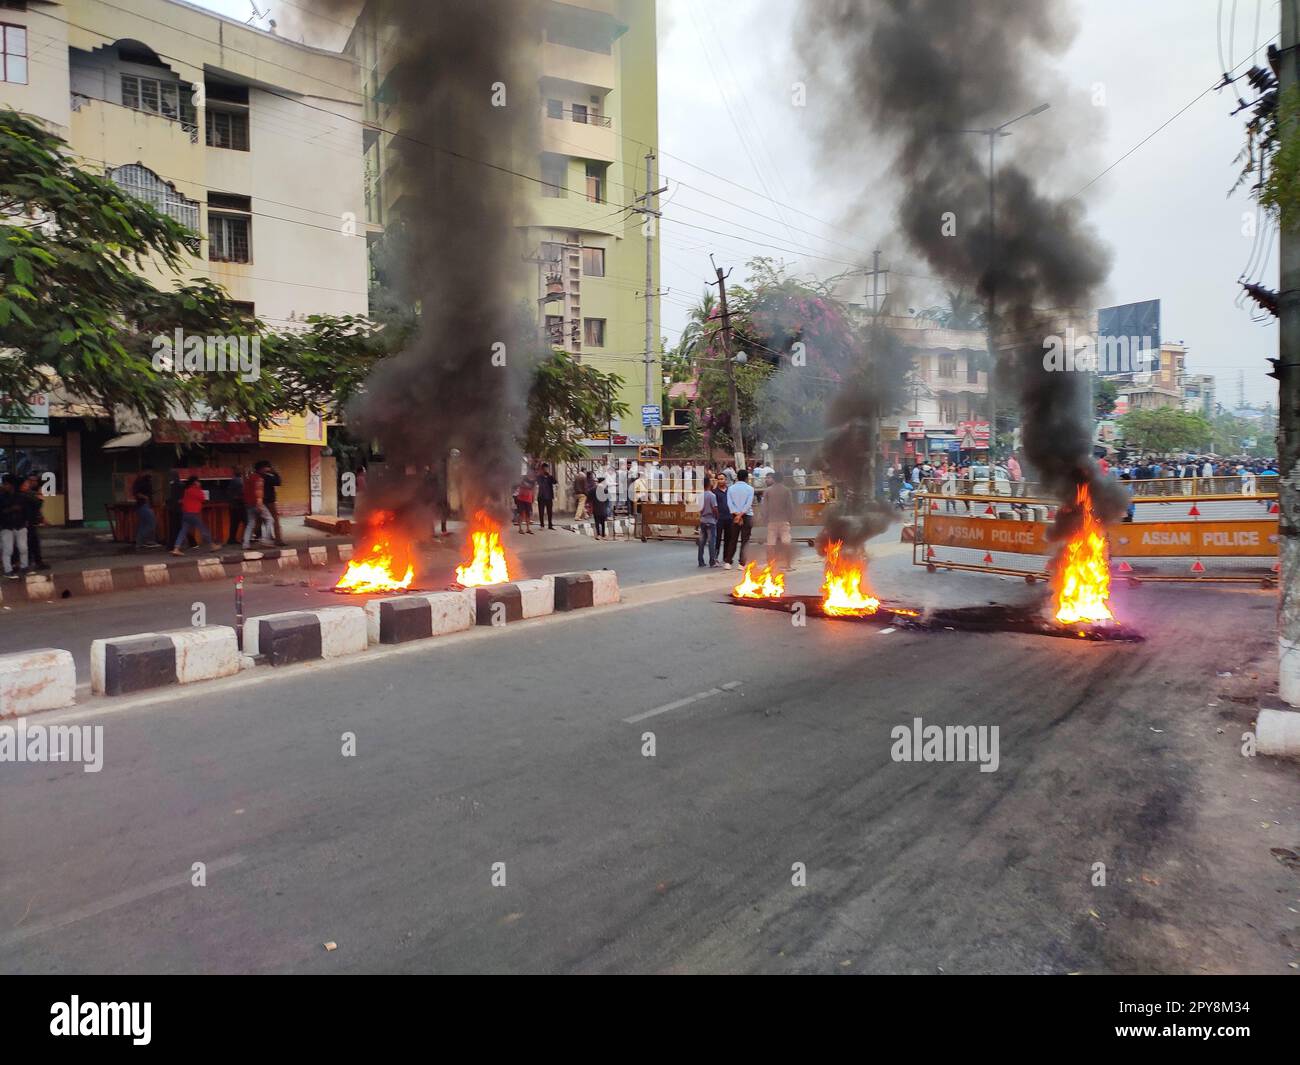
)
(800, 475)
(740, 502)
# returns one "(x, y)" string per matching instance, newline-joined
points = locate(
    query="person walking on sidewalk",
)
(192, 500)
(31, 493)
(13, 528)
(708, 525)
(271, 480)
(255, 509)
(545, 497)
(740, 503)
(579, 495)
(146, 521)
(235, 497)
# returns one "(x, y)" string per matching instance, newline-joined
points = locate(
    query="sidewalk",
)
(89, 562)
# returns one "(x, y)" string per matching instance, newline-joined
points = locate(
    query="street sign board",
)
(651, 415)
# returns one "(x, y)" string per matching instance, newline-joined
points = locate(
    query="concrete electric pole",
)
(1288, 431)
(651, 218)
(737, 436)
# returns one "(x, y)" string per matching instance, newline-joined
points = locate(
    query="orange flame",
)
(1082, 573)
(487, 562)
(376, 567)
(767, 584)
(842, 592)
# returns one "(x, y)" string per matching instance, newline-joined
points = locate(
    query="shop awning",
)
(127, 441)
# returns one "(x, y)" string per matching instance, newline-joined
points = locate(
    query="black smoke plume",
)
(463, 86)
(912, 73)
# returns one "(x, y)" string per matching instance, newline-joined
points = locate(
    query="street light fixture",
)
(993, 133)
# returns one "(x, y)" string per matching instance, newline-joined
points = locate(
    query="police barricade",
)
(680, 520)
(1207, 538)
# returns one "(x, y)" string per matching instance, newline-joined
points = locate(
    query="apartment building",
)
(583, 257)
(251, 140)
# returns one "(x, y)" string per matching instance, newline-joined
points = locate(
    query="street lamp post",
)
(990, 325)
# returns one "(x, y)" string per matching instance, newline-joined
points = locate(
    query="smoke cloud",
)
(912, 74)
(464, 81)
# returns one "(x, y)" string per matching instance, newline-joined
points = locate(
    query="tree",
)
(1166, 429)
(77, 309)
(1105, 397)
(568, 400)
(962, 311)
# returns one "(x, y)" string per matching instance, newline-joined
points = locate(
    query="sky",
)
(739, 159)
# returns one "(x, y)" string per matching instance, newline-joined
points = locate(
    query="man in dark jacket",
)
(31, 493)
(724, 514)
(545, 497)
(271, 480)
(13, 527)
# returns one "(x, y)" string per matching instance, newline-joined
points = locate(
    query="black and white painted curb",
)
(121, 665)
(46, 679)
(613, 527)
(40, 587)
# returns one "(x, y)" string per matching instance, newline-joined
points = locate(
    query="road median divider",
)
(419, 616)
(122, 665)
(304, 635)
(575, 591)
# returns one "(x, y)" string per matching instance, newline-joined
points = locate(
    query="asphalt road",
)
(772, 748)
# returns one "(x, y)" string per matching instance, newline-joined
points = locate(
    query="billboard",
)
(1128, 338)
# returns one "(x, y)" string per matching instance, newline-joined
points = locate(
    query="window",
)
(555, 169)
(551, 251)
(227, 129)
(595, 183)
(554, 108)
(593, 262)
(972, 370)
(593, 332)
(229, 234)
(947, 412)
(947, 366)
(166, 98)
(143, 184)
(580, 113)
(555, 330)
(13, 54)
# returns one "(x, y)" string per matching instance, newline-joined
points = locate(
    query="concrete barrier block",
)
(342, 631)
(1277, 733)
(283, 638)
(498, 603)
(537, 597)
(205, 653)
(452, 611)
(604, 590)
(121, 665)
(31, 681)
(573, 591)
(400, 619)
(97, 581)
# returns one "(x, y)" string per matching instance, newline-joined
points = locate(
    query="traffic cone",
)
(990, 510)
(929, 552)
(1124, 567)
(987, 558)
(1272, 508)
(934, 505)
(1277, 567)
(1197, 567)
(1193, 513)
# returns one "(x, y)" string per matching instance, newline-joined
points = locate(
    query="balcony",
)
(590, 139)
(577, 64)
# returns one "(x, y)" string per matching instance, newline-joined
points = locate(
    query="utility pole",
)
(649, 225)
(737, 437)
(1288, 429)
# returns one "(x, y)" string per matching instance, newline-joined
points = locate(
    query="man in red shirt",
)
(192, 500)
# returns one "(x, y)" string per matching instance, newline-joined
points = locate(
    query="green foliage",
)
(1165, 430)
(568, 400)
(1105, 397)
(962, 311)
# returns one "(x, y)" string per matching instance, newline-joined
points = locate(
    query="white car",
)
(998, 484)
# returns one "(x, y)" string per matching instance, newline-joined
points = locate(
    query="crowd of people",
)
(250, 493)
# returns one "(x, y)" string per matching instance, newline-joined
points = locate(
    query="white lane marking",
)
(113, 902)
(731, 685)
